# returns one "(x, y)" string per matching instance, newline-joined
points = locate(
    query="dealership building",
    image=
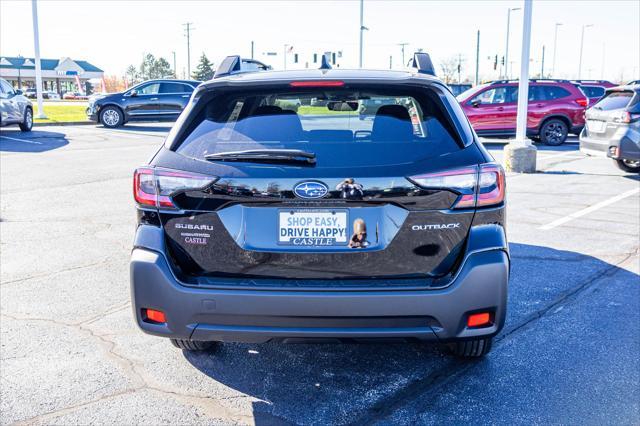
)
(58, 75)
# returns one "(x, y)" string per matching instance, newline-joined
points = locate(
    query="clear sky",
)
(114, 34)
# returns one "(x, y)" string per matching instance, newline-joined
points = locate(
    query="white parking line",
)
(589, 209)
(562, 154)
(21, 140)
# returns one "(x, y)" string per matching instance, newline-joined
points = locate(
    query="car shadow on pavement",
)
(137, 128)
(33, 141)
(357, 383)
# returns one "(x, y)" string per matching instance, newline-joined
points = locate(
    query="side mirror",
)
(133, 93)
(18, 92)
(475, 103)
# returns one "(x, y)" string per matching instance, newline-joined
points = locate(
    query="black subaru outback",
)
(266, 216)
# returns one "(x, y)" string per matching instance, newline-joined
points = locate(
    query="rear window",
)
(593, 91)
(614, 100)
(350, 126)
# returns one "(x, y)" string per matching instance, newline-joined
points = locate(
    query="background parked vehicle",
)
(74, 96)
(613, 128)
(456, 88)
(593, 89)
(556, 108)
(15, 108)
(153, 100)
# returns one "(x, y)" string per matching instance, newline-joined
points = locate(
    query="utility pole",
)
(175, 70)
(390, 61)
(285, 56)
(362, 30)
(188, 29)
(555, 48)
(402, 45)
(476, 80)
(581, 47)
(251, 49)
(602, 65)
(459, 66)
(36, 45)
(542, 70)
(506, 50)
(520, 154)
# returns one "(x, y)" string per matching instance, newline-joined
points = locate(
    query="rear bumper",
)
(623, 147)
(261, 315)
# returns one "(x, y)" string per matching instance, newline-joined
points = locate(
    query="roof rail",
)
(324, 63)
(422, 62)
(235, 65)
(535, 80)
(590, 81)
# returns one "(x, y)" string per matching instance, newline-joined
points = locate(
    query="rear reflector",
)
(479, 320)
(153, 187)
(151, 315)
(478, 186)
(582, 102)
(321, 83)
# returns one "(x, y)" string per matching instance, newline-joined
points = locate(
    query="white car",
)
(15, 108)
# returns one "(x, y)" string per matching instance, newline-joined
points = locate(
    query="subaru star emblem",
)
(310, 189)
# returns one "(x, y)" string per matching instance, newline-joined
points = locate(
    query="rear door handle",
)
(186, 96)
(500, 108)
(153, 99)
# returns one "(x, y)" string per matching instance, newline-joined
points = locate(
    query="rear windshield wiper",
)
(266, 156)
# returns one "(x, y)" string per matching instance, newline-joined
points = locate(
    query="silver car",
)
(15, 108)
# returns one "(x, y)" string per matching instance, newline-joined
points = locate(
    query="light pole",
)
(36, 45)
(286, 46)
(362, 30)
(188, 29)
(555, 48)
(506, 50)
(175, 71)
(475, 81)
(520, 154)
(581, 47)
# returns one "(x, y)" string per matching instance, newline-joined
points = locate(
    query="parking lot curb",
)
(66, 123)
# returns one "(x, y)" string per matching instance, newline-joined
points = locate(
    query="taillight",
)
(582, 102)
(623, 117)
(153, 187)
(477, 186)
(490, 185)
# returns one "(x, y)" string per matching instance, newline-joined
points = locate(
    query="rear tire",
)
(111, 117)
(628, 165)
(193, 345)
(554, 132)
(27, 121)
(472, 348)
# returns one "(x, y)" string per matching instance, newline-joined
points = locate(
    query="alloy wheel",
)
(110, 117)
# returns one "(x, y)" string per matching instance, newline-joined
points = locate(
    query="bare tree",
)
(449, 69)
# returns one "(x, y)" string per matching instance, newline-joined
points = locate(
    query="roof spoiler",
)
(422, 62)
(235, 65)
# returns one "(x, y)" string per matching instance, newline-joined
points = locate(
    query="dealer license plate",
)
(312, 227)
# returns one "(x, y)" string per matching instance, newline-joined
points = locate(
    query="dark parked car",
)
(15, 108)
(257, 223)
(594, 89)
(556, 108)
(153, 100)
(613, 128)
(457, 88)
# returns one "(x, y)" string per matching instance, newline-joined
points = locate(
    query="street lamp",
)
(506, 50)
(402, 45)
(362, 30)
(581, 46)
(555, 47)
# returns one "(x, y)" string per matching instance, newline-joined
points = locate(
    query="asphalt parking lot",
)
(71, 353)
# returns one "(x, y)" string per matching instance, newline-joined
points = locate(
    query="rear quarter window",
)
(593, 91)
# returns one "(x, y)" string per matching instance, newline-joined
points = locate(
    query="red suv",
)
(556, 108)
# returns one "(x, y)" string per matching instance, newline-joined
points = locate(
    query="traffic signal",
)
(495, 63)
(295, 58)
